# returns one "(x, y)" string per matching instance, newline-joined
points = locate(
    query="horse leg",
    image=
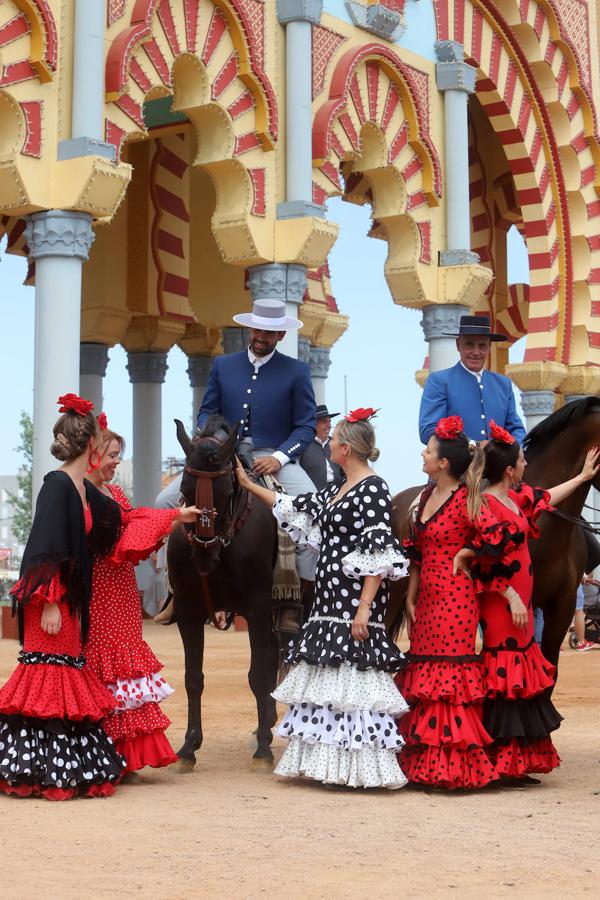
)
(557, 618)
(262, 678)
(191, 629)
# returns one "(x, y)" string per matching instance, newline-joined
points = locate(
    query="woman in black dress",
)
(340, 693)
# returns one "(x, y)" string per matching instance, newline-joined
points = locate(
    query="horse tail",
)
(473, 477)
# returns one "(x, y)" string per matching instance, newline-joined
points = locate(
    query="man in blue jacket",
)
(469, 390)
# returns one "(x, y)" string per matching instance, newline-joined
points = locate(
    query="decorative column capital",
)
(299, 11)
(452, 72)
(147, 367)
(278, 281)
(235, 339)
(459, 258)
(320, 361)
(378, 18)
(198, 370)
(304, 349)
(59, 232)
(537, 403)
(442, 320)
(93, 359)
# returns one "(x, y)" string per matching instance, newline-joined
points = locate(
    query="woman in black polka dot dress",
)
(444, 681)
(340, 694)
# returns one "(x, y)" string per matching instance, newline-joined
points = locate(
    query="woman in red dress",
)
(446, 741)
(518, 712)
(51, 742)
(115, 649)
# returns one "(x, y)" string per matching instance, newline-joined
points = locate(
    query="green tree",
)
(21, 501)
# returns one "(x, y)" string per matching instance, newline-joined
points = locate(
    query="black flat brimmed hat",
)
(323, 412)
(477, 325)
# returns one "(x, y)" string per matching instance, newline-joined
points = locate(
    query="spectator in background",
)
(587, 595)
(316, 458)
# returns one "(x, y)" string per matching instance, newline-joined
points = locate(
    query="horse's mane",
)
(568, 414)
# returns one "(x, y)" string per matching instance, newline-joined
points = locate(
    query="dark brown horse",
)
(225, 562)
(555, 451)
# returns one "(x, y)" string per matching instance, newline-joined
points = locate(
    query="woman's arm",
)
(367, 595)
(462, 561)
(268, 497)
(590, 468)
(414, 581)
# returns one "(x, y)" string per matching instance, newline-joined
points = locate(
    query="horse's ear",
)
(183, 437)
(226, 450)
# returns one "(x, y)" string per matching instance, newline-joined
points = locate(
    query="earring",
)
(93, 462)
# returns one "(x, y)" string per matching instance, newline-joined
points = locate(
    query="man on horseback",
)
(469, 390)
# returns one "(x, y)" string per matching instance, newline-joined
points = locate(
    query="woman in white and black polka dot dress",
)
(341, 697)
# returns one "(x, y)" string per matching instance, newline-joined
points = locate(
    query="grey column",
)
(570, 397)
(440, 326)
(92, 369)
(198, 371)
(280, 281)
(537, 406)
(235, 339)
(298, 17)
(320, 361)
(147, 372)
(87, 107)
(59, 242)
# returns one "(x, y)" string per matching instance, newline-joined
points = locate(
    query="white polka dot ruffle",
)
(298, 524)
(134, 692)
(366, 768)
(348, 730)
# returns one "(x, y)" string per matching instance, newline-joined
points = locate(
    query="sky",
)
(377, 356)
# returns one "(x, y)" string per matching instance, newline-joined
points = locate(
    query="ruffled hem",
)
(297, 524)
(366, 768)
(131, 723)
(451, 682)
(135, 692)
(323, 642)
(48, 691)
(37, 755)
(119, 662)
(440, 724)
(515, 760)
(527, 720)
(56, 794)
(143, 532)
(517, 673)
(346, 688)
(447, 767)
(347, 730)
(152, 750)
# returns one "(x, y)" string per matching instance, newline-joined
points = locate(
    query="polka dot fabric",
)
(51, 742)
(444, 681)
(518, 714)
(116, 651)
(340, 694)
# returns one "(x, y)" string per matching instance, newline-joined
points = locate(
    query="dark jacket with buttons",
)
(275, 406)
(455, 392)
(314, 462)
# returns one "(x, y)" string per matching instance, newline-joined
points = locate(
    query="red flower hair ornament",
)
(361, 415)
(497, 433)
(103, 421)
(73, 403)
(449, 429)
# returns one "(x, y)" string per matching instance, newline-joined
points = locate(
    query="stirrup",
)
(287, 617)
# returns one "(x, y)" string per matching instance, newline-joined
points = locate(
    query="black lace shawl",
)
(58, 544)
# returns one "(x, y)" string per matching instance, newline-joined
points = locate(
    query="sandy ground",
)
(227, 831)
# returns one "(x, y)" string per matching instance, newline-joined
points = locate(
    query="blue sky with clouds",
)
(377, 356)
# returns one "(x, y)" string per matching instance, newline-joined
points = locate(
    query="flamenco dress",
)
(444, 681)
(116, 651)
(518, 713)
(51, 741)
(340, 695)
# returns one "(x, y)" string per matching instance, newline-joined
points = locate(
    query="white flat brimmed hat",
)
(268, 315)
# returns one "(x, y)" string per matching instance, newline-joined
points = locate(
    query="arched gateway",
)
(163, 161)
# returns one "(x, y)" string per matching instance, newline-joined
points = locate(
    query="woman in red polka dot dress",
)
(115, 650)
(444, 682)
(51, 742)
(518, 713)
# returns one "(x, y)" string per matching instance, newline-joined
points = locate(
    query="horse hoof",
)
(263, 764)
(182, 767)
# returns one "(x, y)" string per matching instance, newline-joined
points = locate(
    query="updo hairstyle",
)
(72, 435)
(498, 456)
(360, 437)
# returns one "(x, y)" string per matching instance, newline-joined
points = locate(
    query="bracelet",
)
(366, 603)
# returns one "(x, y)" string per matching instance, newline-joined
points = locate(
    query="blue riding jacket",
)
(455, 392)
(275, 405)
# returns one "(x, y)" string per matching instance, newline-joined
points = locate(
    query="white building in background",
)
(8, 541)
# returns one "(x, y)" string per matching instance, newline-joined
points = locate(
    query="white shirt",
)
(328, 469)
(477, 375)
(257, 362)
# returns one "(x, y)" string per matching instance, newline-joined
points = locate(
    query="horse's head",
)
(209, 483)
(555, 449)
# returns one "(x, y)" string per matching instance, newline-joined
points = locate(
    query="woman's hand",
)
(360, 622)
(518, 610)
(242, 475)
(188, 514)
(51, 618)
(462, 563)
(591, 464)
(411, 612)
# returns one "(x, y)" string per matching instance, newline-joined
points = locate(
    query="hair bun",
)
(373, 455)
